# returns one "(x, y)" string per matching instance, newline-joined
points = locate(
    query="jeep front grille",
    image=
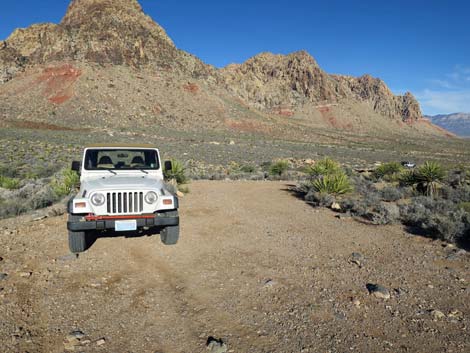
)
(124, 202)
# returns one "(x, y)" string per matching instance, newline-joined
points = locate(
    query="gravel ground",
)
(256, 269)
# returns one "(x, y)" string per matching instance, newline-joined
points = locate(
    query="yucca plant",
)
(407, 178)
(429, 176)
(326, 166)
(176, 172)
(388, 171)
(335, 184)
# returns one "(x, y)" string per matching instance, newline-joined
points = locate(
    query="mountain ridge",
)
(117, 33)
(457, 123)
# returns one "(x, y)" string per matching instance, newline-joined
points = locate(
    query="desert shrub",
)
(233, 167)
(45, 197)
(457, 177)
(9, 183)
(8, 171)
(12, 207)
(326, 166)
(183, 188)
(176, 172)
(371, 207)
(392, 193)
(456, 194)
(171, 187)
(278, 168)
(388, 171)
(384, 213)
(319, 199)
(65, 183)
(247, 168)
(335, 184)
(42, 171)
(465, 206)
(362, 185)
(440, 219)
(353, 206)
(237, 171)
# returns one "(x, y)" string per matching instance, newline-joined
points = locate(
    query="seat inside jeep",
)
(105, 162)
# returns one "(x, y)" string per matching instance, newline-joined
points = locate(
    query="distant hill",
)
(457, 123)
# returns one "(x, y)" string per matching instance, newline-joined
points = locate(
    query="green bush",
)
(9, 183)
(326, 166)
(388, 171)
(177, 172)
(247, 168)
(279, 167)
(335, 184)
(66, 183)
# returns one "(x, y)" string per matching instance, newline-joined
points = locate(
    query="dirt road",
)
(255, 266)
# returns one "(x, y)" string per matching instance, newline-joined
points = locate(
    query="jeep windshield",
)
(121, 159)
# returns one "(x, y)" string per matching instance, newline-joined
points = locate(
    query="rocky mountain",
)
(113, 32)
(457, 123)
(107, 62)
(270, 81)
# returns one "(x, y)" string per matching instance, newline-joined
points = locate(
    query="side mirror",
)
(76, 166)
(168, 165)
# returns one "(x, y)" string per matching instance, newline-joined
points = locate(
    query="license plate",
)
(124, 226)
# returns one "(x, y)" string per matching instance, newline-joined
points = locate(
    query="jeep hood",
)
(116, 182)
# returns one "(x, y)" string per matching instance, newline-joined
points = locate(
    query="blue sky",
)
(413, 45)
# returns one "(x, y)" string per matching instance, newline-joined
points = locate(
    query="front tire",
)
(170, 235)
(78, 242)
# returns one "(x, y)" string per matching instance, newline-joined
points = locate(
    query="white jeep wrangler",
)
(121, 189)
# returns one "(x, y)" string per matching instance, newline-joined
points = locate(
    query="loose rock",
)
(215, 345)
(437, 314)
(100, 342)
(77, 334)
(357, 258)
(378, 291)
(269, 283)
(336, 206)
(455, 314)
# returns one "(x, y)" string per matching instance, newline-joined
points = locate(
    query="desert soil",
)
(255, 267)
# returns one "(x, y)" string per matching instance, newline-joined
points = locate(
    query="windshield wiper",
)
(111, 171)
(143, 171)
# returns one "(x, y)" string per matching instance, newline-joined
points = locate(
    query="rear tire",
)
(170, 235)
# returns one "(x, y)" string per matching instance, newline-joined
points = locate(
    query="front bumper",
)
(158, 220)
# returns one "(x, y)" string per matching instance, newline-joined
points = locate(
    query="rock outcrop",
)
(105, 32)
(271, 82)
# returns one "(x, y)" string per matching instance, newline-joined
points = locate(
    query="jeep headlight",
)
(151, 197)
(98, 199)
